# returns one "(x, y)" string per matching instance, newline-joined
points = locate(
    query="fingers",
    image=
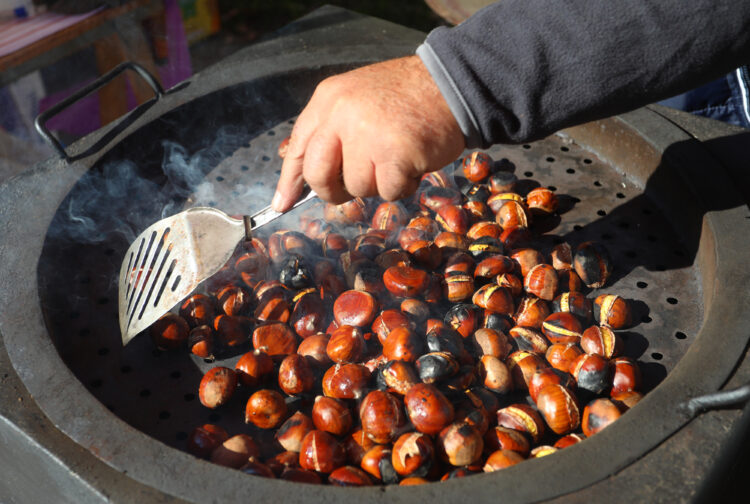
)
(396, 180)
(289, 186)
(322, 167)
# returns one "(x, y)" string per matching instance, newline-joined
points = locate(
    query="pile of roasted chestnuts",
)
(408, 342)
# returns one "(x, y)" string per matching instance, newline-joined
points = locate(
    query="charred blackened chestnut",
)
(593, 264)
(295, 273)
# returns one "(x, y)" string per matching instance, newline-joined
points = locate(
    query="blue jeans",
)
(726, 99)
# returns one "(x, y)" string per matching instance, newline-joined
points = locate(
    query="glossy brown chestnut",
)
(575, 303)
(562, 327)
(393, 257)
(542, 200)
(235, 451)
(428, 409)
(314, 349)
(528, 340)
(197, 310)
(346, 381)
(527, 258)
(378, 462)
(170, 332)
(484, 228)
(494, 298)
(516, 237)
(460, 444)
(321, 452)
(511, 282)
(627, 376)
(276, 339)
(601, 340)
(494, 265)
(332, 415)
(381, 416)
(433, 198)
(561, 256)
(478, 210)
(504, 438)
(397, 376)
(497, 200)
(273, 307)
(426, 254)
(282, 461)
(204, 439)
(300, 476)
(512, 214)
(541, 281)
(458, 286)
(597, 415)
(356, 308)
(390, 216)
(405, 281)
(592, 372)
(403, 344)
(426, 224)
(309, 314)
(349, 476)
(568, 440)
(346, 344)
(501, 459)
(612, 311)
(562, 355)
(477, 166)
(201, 342)
(549, 376)
(351, 212)
(460, 262)
(265, 409)
(389, 320)
(416, 309)
(293, 430)
(231, 332)
(559, 408)
(333, 245)
(296, 375)
(217, 386)
(464, 318)
(626, 400)
(593, 264)
(255, 468)
(503, 182)
(452, 242)
(569, 281)
(233, 300)
(486, 341)
(523, 418)
(413, 454)
(453, 218)
(494, 374)
(522, 367)
(252, 367)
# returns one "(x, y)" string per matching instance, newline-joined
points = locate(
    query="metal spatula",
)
(168, 260)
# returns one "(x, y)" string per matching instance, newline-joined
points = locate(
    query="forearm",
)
(522, 69)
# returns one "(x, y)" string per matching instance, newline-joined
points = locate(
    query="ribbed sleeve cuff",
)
(456, 102)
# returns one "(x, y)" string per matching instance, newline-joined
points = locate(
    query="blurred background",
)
(50, 49)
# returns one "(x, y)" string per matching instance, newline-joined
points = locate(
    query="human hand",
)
(373, 130)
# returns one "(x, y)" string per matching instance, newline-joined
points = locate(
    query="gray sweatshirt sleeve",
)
(519, 70)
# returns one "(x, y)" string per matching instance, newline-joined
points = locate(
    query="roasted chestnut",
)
(170, 332)
(627, 376)
(349, 476)
(253, 367)
(331, 415)
(413, 454)
(436, 366)
(494, 374)
(593, 264)
(597, 415)
(295, 273)
(501, 459)
(562, 327)
(575, 303)
(389, 216)
(522, 417)
(487, 341)
(494, 298)
(276, 339)
(346, 344)
(541, 281)
(460, 444)
(204, 439)
(265, 409)
(321, 452)
(405, 281)
(592, 373)
(397, 376)
(504, 438)
(381, 416)
(612, 311)
(217, 386)
(601, 340)
(197, 310)
(356, 308)
(464, 318)
(559, 408)
(503, 182)
(562, 355)
(528, 340)
(295, 375)
(542, 200)
(201, 342)
(428, 409)
(549, 376)
(561, 256)
(291, 432)
(477, 166)
(235, 451)
(346, 381)
(403, 344)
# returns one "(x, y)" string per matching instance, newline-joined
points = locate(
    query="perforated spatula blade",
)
(168, 260)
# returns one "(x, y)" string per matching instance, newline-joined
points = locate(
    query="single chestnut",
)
(477, 166)
(453, 218)
(452, 242)
(512, 214)
(494, 374)
(464, 318)
(428, 409)
(405, 281)
(485, 341)
(597, 415)
(503, 182)
(531, 312)
(528, 340)
(397, 376)
(612, 311)
(293, 430)
(626, 400)
(511, 282)
(569, 281)
(461, 262)
(522, 367)
(309, 314)
(197, 310)
(217, 386)
(417, 310)
(252, 367)
(332, 415)
(403, 344)
(559, 408)
(346, 344)
(276, 339)
(562, 327)
(568, 440)
(504, 438)
(549, 376)
(436, 366)
(494, 298)
(265, 409)
(592, 373)
(321, 452)
(562, 355)
(235, 451)
(170, 332)
(204, 439)
(575, 303)
(484, 247)
(593, 264)
(460, 444)
(201, 342)
(627, 376)
(346, 381)
(381, 416)
(296, 375)
(413, 454)
(527, 258)
(601, 340)
(484, 228)
(233, 300)
(561, 256)
(351, 212)
(542, 200)
(541, 281)
(390, 215)
(493, 265)
(522, 417)
(434, 198)
(355, 308)
(349, 476)
(501, 459)
(300, 476)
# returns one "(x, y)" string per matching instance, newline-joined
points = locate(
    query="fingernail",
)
(277, 201)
